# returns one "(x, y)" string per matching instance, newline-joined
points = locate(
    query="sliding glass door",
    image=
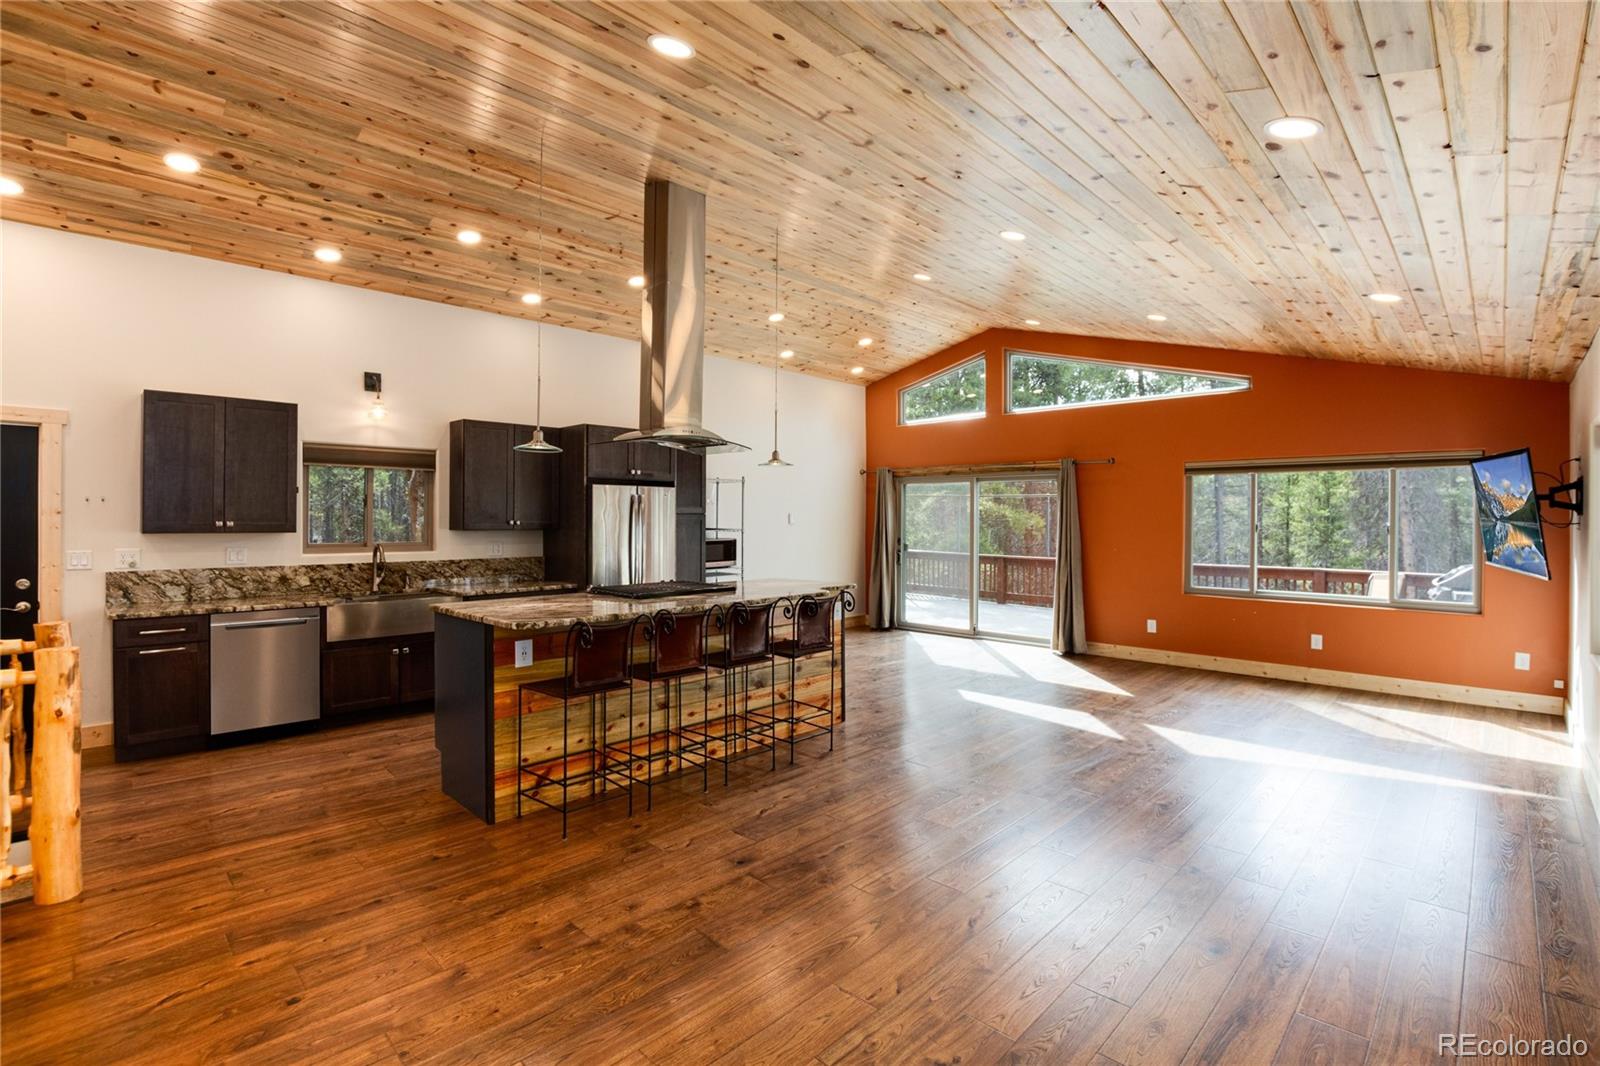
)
(978, 555)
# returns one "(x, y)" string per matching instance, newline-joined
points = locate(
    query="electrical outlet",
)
(524, 653)
(1149, 625)
(235, 556)
(496, 549)
(127, 558)
(1522, 660)
(1560, 684)
(80, 560)
(1316, 642)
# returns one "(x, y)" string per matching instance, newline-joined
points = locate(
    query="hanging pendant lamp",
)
(776, 316)
(536, 442)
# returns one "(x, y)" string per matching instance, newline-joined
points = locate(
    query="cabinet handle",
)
(157, 651)
(158, 632)
(406, 650)
(230, 523)
(219, 523)
(394, 651)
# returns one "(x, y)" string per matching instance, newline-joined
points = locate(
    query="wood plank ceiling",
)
(1459, 166)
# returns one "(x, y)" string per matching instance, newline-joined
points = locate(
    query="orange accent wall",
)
(1133, 511)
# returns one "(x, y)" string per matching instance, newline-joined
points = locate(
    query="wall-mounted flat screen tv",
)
(1508, 508)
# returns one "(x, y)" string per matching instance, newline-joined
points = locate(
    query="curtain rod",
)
(1041, 464)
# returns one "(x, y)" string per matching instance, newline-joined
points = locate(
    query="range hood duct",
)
(672, 359)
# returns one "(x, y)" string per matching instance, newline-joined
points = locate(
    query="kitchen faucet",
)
(379, 563)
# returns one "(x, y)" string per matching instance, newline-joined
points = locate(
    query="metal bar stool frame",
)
(580, 636)
(659, 628)
(748, 619)
(797, 648)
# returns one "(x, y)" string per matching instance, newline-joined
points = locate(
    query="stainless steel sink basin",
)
(392, 614)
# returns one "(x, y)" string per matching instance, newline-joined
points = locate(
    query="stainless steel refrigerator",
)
(632, 534)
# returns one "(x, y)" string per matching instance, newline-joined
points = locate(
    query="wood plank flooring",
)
(1009, 858)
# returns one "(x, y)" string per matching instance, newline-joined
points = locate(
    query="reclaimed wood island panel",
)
(476, 713)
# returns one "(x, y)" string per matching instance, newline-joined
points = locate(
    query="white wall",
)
(1583, 714)
(87, 324)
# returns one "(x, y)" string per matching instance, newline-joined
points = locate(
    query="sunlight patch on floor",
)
(961, 653)
(1213, 747)
(1479, 735)
(1064, 716)
(1042, 664)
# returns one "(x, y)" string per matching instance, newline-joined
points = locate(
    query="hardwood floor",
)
(1008, 858)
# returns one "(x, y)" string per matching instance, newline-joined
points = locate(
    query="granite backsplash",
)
(211, 584)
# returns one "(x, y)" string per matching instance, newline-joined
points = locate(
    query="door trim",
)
(52, 425)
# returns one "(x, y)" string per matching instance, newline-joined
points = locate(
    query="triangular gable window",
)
(1050, 382)
(948, 395)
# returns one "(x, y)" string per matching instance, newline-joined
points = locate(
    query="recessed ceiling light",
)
(636, 282)
(532, 298)
(181, 162)
(327, 255)
(1383, 297)
(8, 187)
(1156, 318)
(787, 353)
(468, 236)
(863, 342)
(1294, 127)
(671, 47)
(1031, 321)
(776, 316)
(858, 370)
(923, 277)
(1013, 235)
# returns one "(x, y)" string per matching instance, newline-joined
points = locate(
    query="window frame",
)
(982, 359)
(370, 462)
(1392, 464)
(1247, 382)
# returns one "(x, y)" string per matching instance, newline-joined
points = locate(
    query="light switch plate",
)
(524, 653)
(80, 560)
(236, 556)
(1522, 660)
(127, 558)
(1149, 625)
(1316, 642)
(496, 549)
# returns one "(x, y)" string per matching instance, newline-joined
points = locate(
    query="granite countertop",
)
(467, 589)
(543, 613)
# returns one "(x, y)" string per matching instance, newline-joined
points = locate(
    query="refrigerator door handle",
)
(633, 521)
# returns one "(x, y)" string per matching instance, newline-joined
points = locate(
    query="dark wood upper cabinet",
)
(261, 460)
(690, 480)
(212, 464)
(182, 459)
(494, 486)
(653, 462)
(608, 460)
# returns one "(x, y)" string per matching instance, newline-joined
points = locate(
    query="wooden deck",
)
(1008, 858)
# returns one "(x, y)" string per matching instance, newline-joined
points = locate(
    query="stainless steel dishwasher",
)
(265, 668)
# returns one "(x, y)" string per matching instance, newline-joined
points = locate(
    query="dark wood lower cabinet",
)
(161, 699)
(366, 675)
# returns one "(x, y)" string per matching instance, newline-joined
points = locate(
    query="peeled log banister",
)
(57, 771)
(13, 678)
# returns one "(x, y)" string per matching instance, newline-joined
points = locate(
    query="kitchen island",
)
(476, 713)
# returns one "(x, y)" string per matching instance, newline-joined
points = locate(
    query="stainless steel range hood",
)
(672, 361)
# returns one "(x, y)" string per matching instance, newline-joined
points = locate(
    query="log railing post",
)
(57, 772)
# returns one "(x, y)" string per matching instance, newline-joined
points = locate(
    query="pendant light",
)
(537, 443)
(776, 316)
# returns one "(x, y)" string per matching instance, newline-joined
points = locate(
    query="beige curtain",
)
(883, 578)
(1067, 636)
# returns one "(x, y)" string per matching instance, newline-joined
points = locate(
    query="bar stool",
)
(812, 635)
(678, 649)
(746, 643)
(597, 660)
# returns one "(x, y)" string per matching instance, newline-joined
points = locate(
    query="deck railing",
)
(1029, 579)
(1325, 581)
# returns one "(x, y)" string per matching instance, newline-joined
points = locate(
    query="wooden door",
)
(162, 697)
(652, 462)
(360, 676)
(607, 459)
(480, 475)
(535, 484)
(261, 461)
(182, 459)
